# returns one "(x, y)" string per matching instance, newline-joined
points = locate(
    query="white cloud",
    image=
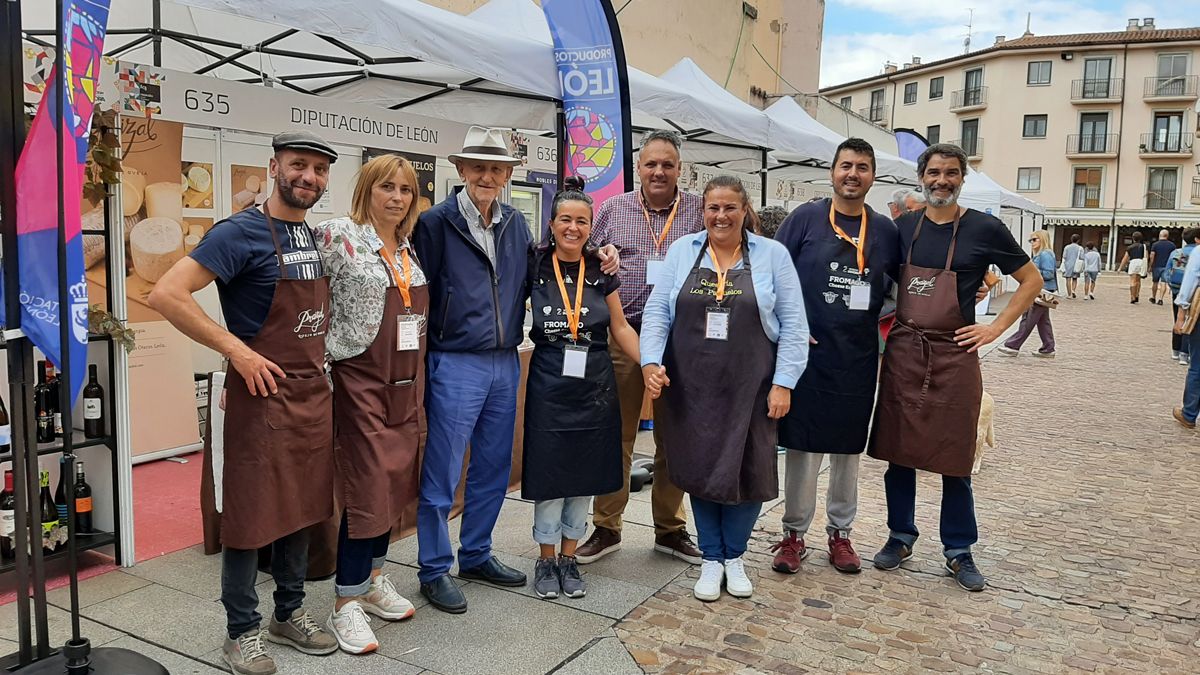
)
(932, 30)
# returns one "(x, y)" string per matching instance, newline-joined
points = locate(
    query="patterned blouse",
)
(358, 283)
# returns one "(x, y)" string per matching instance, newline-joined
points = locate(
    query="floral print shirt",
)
(358, 279)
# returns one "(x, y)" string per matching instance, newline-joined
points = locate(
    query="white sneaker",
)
(736, 581)
(708, 586)
(352, 628)
(385, 602)
(1007, 351)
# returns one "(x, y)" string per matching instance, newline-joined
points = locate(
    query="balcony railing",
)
(876, 113)
(975, 97)
(1162, 199)
(1092, 144)
(1166, 144)
(972, 146)
(1175, 87)
(1085, 197)
(1097, 89)
(1196, 190)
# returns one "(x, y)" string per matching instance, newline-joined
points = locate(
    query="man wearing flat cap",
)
(475, 253)
(278, 471)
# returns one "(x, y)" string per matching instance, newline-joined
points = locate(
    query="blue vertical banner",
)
(910, 144)
(597, 144)
(84, 27)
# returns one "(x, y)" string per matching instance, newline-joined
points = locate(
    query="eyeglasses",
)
(1033, 241)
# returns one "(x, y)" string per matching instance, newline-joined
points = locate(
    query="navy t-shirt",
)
(1162, 251)
(240, 252)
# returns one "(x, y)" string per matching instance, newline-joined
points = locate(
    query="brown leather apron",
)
(720, 444)
(377, 401)
(929, 387)
(279, 473)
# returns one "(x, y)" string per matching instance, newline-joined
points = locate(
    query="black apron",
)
(572, 445)
(832, 402)
(720, 444)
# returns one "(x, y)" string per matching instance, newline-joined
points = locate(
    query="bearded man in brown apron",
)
(930, 385)
(278, 471)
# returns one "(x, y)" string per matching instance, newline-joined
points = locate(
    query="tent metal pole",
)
(117, 51)
(762, 186)
(246, 52)
(156, 20)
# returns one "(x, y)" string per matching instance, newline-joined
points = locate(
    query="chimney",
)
(1148, 23)
(889, 68)
(916, 60)
(999, 40)
(906, 66)
(1133, 26)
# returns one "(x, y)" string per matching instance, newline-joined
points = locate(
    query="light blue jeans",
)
(558, 519)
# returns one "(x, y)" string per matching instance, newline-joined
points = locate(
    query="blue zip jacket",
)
(473, 307)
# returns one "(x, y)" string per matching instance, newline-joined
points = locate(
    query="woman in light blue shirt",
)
(724, 340)
(1191, 388)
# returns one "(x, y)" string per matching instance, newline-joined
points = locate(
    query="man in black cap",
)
(278, 473)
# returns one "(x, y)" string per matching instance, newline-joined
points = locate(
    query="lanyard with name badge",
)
(860, 294)
(716, 319)
(574, 356)
(408, 326)
(654, 267)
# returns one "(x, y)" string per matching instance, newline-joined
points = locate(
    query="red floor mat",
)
(166, 506)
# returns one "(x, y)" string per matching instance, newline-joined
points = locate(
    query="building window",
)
(1168, 133)
(910, 93)
(1035, 126)
(1160, 189)
(970, 137)
(973, 87)
(1029, 179)
(1038, 73)
(935, 87)
(1085, 192)
(1097, 78)
(1093, 133)
(933, 134)
(847, 102)
(875, 112)
(1172, 75)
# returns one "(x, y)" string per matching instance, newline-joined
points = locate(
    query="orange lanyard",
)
(861, 244)
(573, 313)
(402, 280)
(721, 275)
(660, 238)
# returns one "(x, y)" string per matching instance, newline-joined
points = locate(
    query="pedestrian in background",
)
(1160, 254)
(1134, 261)
(769, 220)
(1091, 270)
(1186, 415)
(1038, 314)
(1176, 267)
(1073, 265)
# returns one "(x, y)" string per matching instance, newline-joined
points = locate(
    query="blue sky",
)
(860, 35)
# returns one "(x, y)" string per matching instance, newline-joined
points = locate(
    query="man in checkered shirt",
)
(643, 224)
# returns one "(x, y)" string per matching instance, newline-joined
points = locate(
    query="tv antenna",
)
(970, 26)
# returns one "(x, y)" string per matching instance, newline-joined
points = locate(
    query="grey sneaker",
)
(573, 585)
(247, 655)
(545, 579)
(302, 633)
(1007, 351)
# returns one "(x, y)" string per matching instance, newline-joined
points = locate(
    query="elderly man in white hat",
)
(475, 253)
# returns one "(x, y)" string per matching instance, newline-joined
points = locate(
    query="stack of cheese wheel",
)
(155, 244)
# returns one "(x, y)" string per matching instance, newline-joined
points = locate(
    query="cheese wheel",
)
(253, 183)
(131, 197)
(190, 242)
(164, 200)
(155, 244)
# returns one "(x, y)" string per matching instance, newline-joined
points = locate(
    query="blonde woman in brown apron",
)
(724, 340)
(930, 385)
(278, 466)
(376, 343)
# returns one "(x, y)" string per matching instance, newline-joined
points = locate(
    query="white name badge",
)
(716, 323)
(574, 361)
(654, 271)
(860, 297)
(408, 332)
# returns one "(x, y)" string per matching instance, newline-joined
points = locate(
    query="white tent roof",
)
(981, 192)
(787, 111)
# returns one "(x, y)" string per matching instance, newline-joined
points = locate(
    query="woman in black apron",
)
(730, 333)
(572, 414)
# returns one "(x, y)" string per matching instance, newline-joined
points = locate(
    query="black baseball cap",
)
(303, 140)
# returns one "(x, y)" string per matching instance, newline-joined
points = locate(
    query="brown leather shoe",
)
(679, 544)
(602, 542)
(1177, 413)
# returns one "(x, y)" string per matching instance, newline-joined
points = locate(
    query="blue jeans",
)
(957, 522)
(356, 559)
(558, 519)
(723, 530)
(239, 571)
(471, 397)
(1191, 387)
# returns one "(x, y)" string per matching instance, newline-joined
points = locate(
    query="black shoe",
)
(892, 554)
(495, 572)
(964, 571)
(444, 594)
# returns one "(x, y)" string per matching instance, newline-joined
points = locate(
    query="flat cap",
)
(304, 140)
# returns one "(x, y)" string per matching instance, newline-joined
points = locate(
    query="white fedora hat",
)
(485, 145)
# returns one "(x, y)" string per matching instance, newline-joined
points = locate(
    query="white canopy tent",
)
(982, 193)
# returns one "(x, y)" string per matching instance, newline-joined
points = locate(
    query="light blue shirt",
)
(776, 287)
(1191, 276)
(483, 232)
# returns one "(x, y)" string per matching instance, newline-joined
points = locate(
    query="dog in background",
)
(985, 432)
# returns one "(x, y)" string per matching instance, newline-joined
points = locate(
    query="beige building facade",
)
(755, 48)
(1101, 128)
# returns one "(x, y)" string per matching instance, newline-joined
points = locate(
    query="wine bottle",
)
(93, 406)
(55, 383)
(49, 513)
(8, 517)
(60, 492)
(83, 501)
(43, 407)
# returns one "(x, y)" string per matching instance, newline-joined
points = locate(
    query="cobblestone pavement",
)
(1089, 535)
